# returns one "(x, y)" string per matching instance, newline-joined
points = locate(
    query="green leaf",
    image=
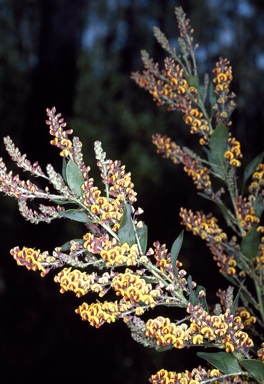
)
(66, 246)
(159, 348)
(231, 279)
(126, 232)
(250, 243)
(74, 178)
(212, 95)
(202, 90)
(235, 302)
(254, 367)
(259, 206)
(76, 215)
(175, 249)
(218, 145)
(215, 167)
(63, 171)
(250, 168)
(245, 295)
(143, 237)
(202, 299)
(61, 202)
(223, 361)
(193, 81)
(192, 296)
(222, 207)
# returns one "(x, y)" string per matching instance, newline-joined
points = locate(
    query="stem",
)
(240, 373)
(162, 278)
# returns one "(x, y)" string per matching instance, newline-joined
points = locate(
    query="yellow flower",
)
(197, 339)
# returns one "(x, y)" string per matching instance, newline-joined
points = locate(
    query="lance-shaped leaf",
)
(66, 246)
(235, 302)
(250, 243)
(250, 168)
(212, 95)
(76, 215)
(259, 206)
(193, 81)
(126, 232)
(192, 296)
(61, 202)
(254, 367)
(160, 348)
(202, 299)
(74, 178)
(221, 206)
(215, 167)
(63, 171)
(218, 146)
(223, 361)
(175, 250)
(143, 237)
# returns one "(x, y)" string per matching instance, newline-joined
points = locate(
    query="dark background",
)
(78, 56)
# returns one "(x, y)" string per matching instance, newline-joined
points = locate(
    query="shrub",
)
(114, 256)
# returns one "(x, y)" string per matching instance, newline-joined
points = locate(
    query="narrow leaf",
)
(202, 91)
(255, 368)
(212, 95)
(231, 279)
(126, 232)
(160, 348)
(223, 361)
(215, 167)
(222, 207)
(175, 250)
(143, 237)
(202, 299)
(218, 144)
(192, 296)
(66, 246)
(76, 215)
(60, 202)
(250, 168)
(74, 178)
(235, 302)
(250, 244)
(193, 81)
(63, 171)
(259, 206)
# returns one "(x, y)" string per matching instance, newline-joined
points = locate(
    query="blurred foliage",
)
(78, 56)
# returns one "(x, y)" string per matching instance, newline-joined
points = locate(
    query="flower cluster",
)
(61, 139)
(207, 228)
(223, 331)
(245, 213)
(80, 282)
(35, 260)
(233, 154)
(247, 319)
(169, 86)
(193, 165)
(224, 99)
(194, 377)
(99, 313)
(257, 185)
(110, 251)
